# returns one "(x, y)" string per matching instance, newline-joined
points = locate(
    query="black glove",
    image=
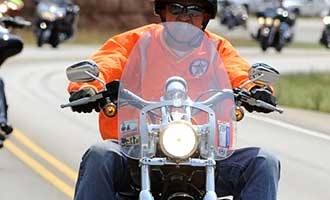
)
(87, 108)
(113, 88)
(263, 94)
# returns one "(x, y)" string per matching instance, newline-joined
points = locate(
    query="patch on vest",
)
(198, 67)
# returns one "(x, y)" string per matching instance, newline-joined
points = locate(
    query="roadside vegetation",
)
(307, 91)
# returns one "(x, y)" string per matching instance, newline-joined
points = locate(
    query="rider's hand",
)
(85, 92)
(263, 94)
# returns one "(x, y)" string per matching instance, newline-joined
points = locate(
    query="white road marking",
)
(292, 127)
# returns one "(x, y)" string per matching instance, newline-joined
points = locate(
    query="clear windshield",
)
(148, 102)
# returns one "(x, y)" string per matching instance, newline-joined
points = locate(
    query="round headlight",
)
(179, 140)
(261, 20)
(269, 21)
(326, 20)
(277, 22)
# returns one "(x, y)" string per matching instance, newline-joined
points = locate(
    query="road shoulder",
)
(311, 120)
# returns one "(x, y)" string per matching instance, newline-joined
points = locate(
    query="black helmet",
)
(210, 5)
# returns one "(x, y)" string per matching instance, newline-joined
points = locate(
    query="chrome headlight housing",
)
(178, 140)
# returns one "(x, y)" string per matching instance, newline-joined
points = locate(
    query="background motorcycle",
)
(10, 44)
(56, 22)
(232, 14)
(275, 28)
(325, 37)
(174, 134)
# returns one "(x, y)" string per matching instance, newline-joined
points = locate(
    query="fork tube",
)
(145, 183)
(210, 182)
(145, 177)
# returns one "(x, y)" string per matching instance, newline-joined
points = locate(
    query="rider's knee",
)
(105, 150)
(270, 165)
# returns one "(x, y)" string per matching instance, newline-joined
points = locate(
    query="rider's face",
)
(185, 11)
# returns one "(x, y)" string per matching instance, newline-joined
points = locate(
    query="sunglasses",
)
(190, 10)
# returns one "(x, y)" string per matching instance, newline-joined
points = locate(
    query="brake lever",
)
(243, 96)
(84, 100)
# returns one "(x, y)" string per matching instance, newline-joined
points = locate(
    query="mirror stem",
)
(250, 81)
(98, 79)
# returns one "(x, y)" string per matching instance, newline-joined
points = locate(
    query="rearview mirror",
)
(83, 71)
(264, 74)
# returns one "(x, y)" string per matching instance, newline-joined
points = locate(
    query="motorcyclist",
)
(68, 22)
(287, 18)
(250, 173)
(5, 128)
(72, 11)
(9, 45)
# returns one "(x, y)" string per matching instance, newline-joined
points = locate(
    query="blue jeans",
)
(3, 103)
(249, 174)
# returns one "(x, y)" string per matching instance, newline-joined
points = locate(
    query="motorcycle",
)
(55, 22)
(325, 38)
(10, 44)
(233, 15)
(177, 125)
(275, 28)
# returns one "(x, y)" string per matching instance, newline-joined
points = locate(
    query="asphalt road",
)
(55, 139)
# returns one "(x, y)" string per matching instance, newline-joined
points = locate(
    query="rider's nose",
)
(184, 18)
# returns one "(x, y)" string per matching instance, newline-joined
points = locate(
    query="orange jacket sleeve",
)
(111, 58)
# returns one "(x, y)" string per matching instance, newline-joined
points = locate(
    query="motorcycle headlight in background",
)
(261, 20)
(178, 140)
(269, 21)
(326, 20)
(285, 14)
(277, 22)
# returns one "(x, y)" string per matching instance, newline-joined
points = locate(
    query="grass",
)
(307, 91)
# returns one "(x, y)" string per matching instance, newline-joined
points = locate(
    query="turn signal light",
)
(239, 113)
(110, 110)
